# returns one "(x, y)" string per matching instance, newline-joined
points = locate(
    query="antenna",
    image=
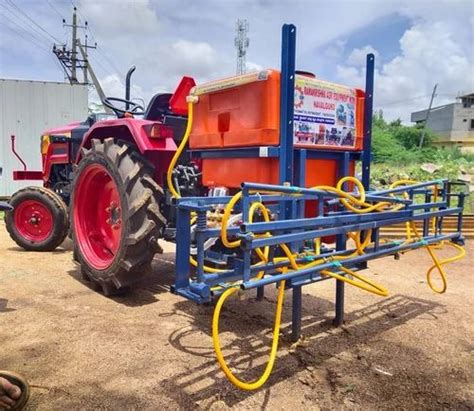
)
(241, 44)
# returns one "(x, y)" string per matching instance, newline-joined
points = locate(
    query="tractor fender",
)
(158, 151)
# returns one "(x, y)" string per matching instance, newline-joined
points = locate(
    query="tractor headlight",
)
(45, 142)
(161, 131)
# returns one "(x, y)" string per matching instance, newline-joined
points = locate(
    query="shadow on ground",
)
(146, 290)
(3, 306)
(323, 342)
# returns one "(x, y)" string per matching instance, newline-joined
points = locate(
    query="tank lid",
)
(305, 73)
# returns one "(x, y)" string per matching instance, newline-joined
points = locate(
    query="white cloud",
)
(200, 58)
(120, 18)
(252, 66)
(430, 53)
(166, 40)
(358, 56)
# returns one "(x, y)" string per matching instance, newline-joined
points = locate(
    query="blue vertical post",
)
(341, 245)
(368, 110)
(300, 180)
(296, 314)
(183, 232)
(287, 97)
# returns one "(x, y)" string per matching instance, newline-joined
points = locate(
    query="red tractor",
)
(119, 163)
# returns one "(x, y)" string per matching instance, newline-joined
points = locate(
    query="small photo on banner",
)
(324, 113)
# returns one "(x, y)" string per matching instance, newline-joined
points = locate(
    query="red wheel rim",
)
(33, 220)
(97, 216)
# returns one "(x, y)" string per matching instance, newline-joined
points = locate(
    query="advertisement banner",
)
(325, 113)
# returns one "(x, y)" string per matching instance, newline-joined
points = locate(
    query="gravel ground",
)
(153, 350)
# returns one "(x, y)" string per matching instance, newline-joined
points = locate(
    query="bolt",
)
(108, 209)
(109, 221)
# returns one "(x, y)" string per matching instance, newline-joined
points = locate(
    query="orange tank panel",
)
(244, 115)
(243, 111)
(231, 172)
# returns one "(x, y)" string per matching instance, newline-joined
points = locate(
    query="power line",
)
(34, 22)
(100, 51)
(107, 72)
(24, 22)
(394, 103)
(55, 9)
(32, 40)
(105, 56)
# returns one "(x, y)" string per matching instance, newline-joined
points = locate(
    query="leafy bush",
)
(396, 156)
(410, 137)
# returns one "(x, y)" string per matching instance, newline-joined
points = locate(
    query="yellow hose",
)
(276, 332)
(437, 263)
(355, 204)
(350, 202)
(363, 283)
(441, 272)
(177, 154)
(172, 165)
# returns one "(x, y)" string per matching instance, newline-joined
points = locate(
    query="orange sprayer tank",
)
(244, 111)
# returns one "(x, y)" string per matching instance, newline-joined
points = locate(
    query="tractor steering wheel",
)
(134, 108)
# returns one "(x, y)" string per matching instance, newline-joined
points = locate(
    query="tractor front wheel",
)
(39, 219)
(115, 215)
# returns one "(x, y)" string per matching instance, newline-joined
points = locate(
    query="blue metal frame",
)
(287, 97)
(199, 286)
(288, 199)
(368, 112)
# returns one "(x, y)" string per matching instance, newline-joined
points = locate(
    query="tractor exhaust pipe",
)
(127, 85)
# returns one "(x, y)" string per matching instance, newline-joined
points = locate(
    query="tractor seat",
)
(158, 107)
(159, 110)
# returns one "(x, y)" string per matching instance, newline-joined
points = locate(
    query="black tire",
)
(54, 204)
(142, 221)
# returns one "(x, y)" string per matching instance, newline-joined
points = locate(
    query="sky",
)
(417, 43)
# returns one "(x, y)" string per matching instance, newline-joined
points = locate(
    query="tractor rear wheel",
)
(39, 219)
(115, 215)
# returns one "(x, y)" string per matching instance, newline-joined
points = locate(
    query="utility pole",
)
(241, 42)
(87, 61)
(423, 132)
(74, 46)
(69, 57)
(94, 78)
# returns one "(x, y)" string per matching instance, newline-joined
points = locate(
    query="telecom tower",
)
(241, 44)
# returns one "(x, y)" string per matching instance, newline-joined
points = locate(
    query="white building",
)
(27, 108)
(452, 123)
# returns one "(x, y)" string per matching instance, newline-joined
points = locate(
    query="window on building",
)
(472, 124)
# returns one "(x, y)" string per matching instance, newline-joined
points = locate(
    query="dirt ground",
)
(153, 350)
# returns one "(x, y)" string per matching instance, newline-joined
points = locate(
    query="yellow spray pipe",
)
(169, 175)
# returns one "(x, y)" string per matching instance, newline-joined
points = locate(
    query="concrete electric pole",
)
(70, 59)
(423, 132)
(74, 46)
